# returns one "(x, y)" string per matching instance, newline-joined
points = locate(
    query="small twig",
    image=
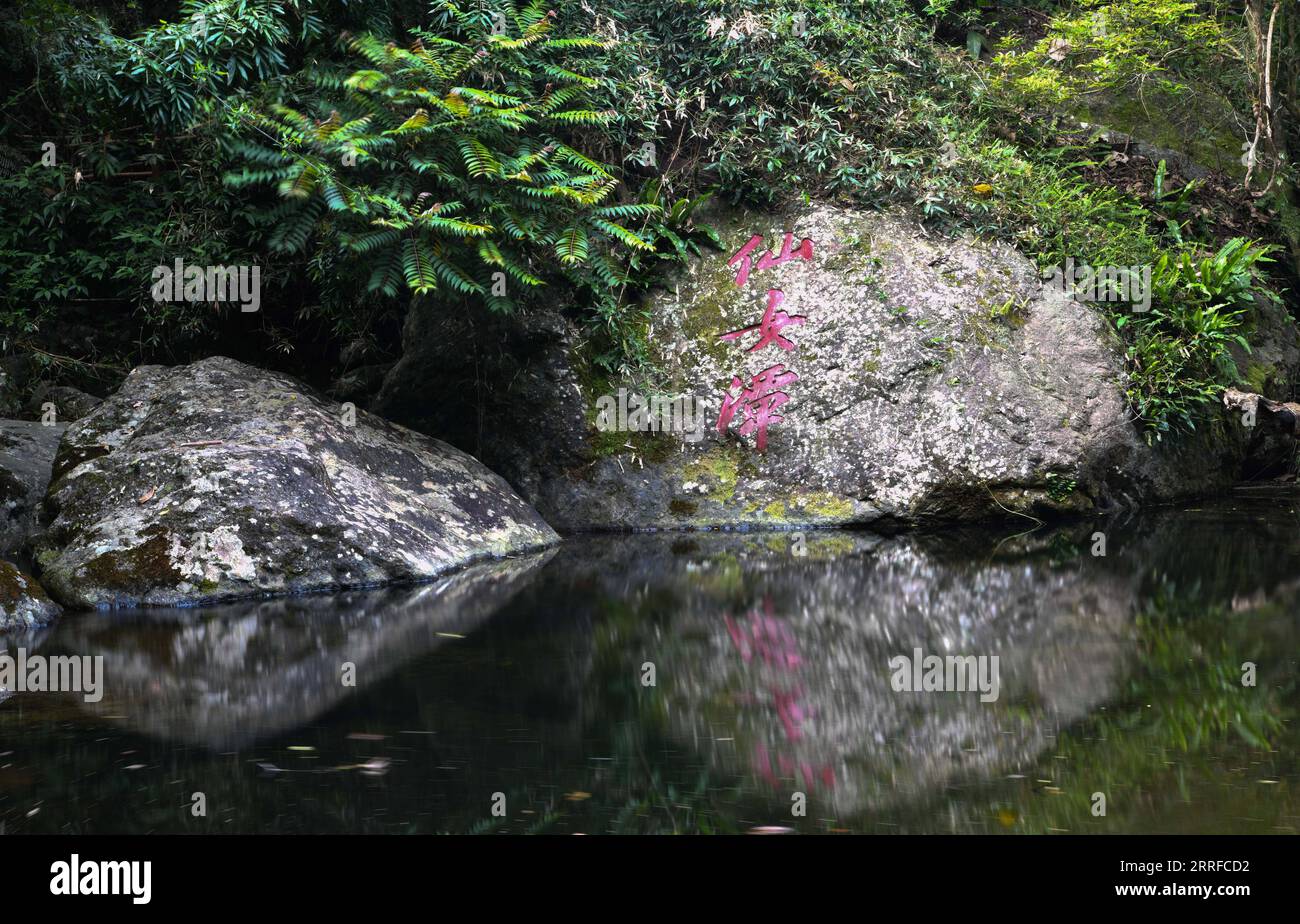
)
(1013, 512)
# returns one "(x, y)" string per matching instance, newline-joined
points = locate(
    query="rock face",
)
(1274, 427)
(23, 604)
(936, 380)
(216, 481)
(26, 454)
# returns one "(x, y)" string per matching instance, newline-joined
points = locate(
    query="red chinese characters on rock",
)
(758, 399)
(745, 256)
(757, 402)
(769, 329)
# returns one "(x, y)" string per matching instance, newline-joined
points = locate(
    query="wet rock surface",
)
(216, 480)
(61, 403)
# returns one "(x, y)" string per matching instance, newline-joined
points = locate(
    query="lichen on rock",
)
(216, 481)
(939, 379)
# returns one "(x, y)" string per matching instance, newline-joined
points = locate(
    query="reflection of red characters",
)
(769, 638)
(775, 645)
(757, 402)
(744, 256)
(763, 766)
(769, 329)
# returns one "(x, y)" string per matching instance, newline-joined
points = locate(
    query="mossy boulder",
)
(938, 380)
(217, 481)
(23, 602)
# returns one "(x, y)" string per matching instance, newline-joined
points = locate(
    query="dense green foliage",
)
(363, 153)
(445, 164)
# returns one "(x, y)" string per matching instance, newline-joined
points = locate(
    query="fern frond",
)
(571, 246)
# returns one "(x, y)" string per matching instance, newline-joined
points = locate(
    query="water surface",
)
(706, 682)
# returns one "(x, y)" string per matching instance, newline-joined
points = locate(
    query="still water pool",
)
(706, 682)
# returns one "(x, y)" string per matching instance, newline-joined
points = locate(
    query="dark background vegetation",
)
(219, 132)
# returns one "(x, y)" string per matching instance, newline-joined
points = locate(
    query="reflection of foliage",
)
(1182, 744)
(1184, 708)
(1193, 671)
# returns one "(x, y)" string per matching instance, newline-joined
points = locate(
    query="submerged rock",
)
(936, 380)
(26, 454)
(217, 480)
(23, 603)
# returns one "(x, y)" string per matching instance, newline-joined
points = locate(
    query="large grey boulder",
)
(23, 603)
(26, 455)
(217, 480)
(938, 379)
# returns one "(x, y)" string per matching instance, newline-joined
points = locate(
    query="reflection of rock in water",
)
(225, 675)
(28, 639)
(778, 666)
